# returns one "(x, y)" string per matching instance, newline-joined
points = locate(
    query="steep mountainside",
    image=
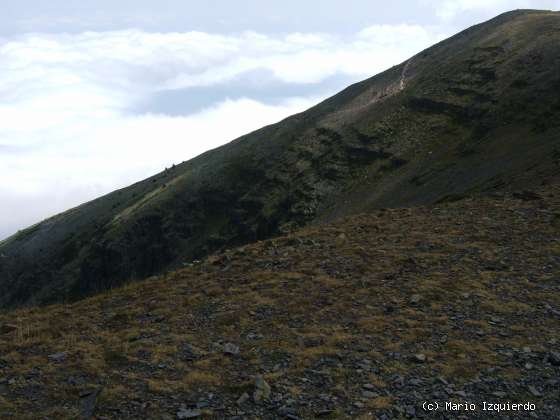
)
(364, 318)
(476, 113)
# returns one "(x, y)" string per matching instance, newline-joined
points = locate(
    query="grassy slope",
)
(320, 313)
(477, 112)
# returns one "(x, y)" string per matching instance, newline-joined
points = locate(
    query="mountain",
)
(363, 318)
(474, 114)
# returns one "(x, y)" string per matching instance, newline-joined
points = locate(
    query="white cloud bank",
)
(68, 132)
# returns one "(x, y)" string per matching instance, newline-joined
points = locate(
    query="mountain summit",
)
(474, 114)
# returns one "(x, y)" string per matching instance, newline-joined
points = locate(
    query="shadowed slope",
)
(475, 113)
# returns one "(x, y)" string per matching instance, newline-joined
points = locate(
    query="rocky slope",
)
(475, 113)
(364, 318)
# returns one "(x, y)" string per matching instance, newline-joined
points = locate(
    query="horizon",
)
(85, 100)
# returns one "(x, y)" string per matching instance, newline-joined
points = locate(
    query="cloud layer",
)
(83, 114)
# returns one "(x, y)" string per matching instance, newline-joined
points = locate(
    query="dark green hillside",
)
(477, 113)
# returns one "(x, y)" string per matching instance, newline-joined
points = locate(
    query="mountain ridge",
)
(451, 121)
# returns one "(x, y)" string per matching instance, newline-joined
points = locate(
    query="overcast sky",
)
(97, 94)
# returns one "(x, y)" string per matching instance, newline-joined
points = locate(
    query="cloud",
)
(82, 113)
(115, 152)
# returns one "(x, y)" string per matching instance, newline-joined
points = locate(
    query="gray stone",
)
(287, 411)
(415, 299)
(88, 403)
(58, 357)
(262, 389)
(185, 413)
(420, 358)
(231, 349)
(242, 399)
(415, 382)
(554, 358)
(533, 390)
(369, 394)
(410, 411)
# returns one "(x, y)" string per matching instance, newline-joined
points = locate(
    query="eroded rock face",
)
(476, 113)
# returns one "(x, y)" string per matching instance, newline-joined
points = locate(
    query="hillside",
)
(475, 113)
(363, 318)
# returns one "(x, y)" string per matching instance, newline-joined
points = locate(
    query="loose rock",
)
(554, 358)
(420, 358)
(185, 413)
(88, 403)
(415, 299)
(58, 357)
(242, 399)
(533, 390)
(231, 349)
(262, 390)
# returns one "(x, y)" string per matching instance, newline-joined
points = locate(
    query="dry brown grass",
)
(324, 305)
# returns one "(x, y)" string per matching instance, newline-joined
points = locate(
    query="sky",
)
(98, 94)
